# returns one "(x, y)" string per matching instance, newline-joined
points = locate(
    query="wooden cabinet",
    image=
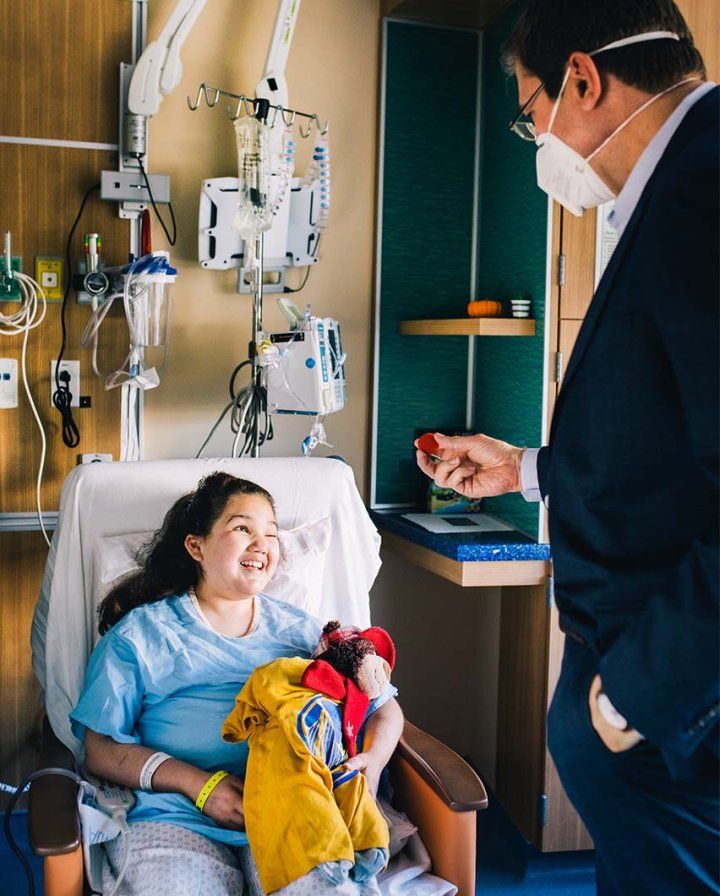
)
(526, 782)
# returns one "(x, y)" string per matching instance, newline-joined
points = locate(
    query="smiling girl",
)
(180, 639)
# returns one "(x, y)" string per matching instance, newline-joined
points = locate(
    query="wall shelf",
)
(469, 573)
(469, 326)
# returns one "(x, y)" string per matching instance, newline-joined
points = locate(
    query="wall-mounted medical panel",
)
(425, 243)
(40, 216)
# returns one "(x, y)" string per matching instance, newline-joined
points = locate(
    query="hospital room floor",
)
(507, 865)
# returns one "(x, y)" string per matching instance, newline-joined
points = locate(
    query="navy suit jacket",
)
(631, 468)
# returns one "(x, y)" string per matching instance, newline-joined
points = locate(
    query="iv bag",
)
(254, 211)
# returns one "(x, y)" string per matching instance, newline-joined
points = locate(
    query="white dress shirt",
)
(625, 203)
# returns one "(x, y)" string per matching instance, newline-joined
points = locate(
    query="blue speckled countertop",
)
(464, 547)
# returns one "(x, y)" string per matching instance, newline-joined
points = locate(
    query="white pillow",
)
(297, 580)
(299, 576)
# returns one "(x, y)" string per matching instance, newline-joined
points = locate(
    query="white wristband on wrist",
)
(149, 769)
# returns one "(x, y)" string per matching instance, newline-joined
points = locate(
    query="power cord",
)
(307, 271)
(248, 406)
(172, 240)
(62, 397)
(302, 285)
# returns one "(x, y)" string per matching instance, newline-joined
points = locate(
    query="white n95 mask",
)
(562, 172)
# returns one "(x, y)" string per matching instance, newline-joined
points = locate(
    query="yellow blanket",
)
(296, 816)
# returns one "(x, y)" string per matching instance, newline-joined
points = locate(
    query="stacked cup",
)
(520, 307)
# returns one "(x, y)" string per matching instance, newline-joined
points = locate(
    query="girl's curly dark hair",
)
(166, 566)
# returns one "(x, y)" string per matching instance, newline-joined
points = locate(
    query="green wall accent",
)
(425, 265)
(511, 260)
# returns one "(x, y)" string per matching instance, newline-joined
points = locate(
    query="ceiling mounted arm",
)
(273, 86)
(159, 70)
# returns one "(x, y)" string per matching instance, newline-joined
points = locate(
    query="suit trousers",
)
(655, 833)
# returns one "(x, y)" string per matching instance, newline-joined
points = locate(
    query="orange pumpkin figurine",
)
(485, 308)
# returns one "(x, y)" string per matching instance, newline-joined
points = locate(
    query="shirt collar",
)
(630, 194)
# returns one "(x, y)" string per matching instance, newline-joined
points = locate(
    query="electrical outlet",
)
(94, 458)
(8, 383)
(73, 368)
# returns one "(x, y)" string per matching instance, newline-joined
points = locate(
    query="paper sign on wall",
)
(606, 238)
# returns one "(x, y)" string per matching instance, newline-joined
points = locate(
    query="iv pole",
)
(273, 89)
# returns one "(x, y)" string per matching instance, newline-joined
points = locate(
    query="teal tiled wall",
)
(511, 260)
(425, 264)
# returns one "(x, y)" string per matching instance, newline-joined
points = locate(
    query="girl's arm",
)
(122, 764)
(382, 733)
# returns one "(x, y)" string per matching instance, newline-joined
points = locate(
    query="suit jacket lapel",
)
(700, 116)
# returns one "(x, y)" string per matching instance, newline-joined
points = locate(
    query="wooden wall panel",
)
(22, 560)
(59, 68)
(578, 233)
(522, 706)
(569, 330)
(703, 18)
(60, 75)
(40, 195)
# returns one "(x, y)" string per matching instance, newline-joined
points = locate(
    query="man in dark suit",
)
(616, 97)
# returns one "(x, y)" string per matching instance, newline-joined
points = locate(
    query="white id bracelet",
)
(149, 769)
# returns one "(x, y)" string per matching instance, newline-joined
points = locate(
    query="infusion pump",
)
(307, 375)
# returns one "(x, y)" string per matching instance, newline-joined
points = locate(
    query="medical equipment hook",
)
(212, 95)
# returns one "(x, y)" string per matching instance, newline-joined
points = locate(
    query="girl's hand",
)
(370, 767)
(225, 804)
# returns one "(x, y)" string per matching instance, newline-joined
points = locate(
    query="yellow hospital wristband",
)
(210, 785)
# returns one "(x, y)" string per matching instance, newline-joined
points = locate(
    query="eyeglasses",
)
(522, 124)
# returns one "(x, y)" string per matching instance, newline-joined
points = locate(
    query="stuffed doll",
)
(354, 667)
(303, 809)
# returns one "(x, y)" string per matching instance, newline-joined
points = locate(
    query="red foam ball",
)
(428, 444)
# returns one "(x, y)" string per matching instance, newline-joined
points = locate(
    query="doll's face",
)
(373, 675)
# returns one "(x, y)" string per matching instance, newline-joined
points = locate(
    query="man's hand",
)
(615, 740)
(370, 766)
(225, 805)
(476, 466)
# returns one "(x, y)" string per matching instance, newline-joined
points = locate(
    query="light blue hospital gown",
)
(161, 677)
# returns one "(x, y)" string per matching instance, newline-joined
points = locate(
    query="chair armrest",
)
(446, 773)
(53, 824)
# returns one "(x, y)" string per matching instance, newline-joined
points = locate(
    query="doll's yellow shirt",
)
(296, 816)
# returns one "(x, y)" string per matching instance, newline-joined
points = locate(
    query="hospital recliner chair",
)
(105, 511)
